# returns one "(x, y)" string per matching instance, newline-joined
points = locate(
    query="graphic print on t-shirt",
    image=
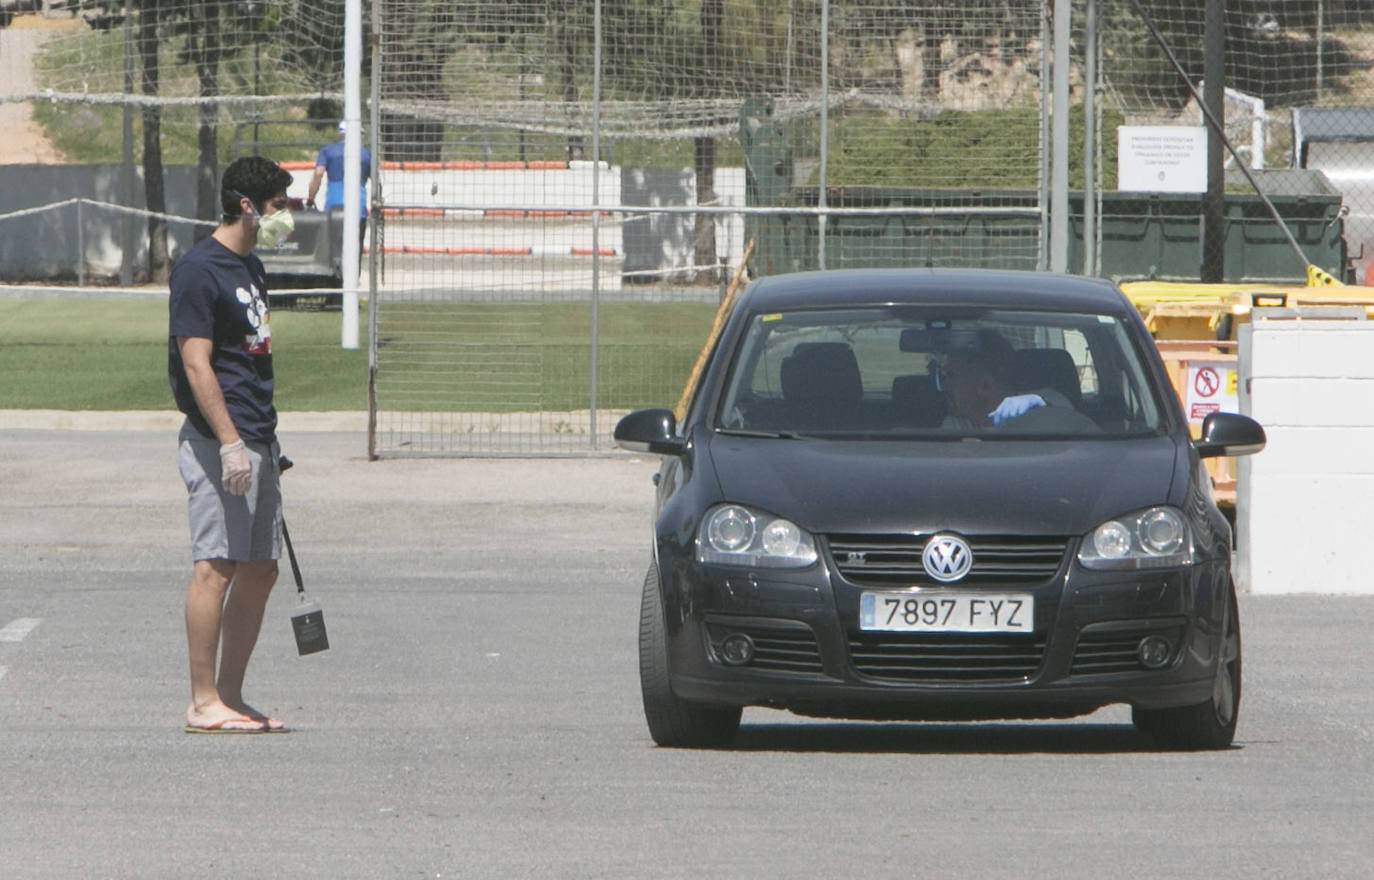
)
(255, 311)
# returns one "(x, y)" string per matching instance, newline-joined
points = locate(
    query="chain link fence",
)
(576, 185)
(564, 190)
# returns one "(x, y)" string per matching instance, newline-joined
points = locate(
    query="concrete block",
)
(1312, 401)
(1311, 348)
(1306, 502)
(1315, 452)
(1307, 533)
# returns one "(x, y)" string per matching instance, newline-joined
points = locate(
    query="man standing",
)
(330, 163)
(219, 363)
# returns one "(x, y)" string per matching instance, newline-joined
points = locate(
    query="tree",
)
(704, 147)
(203, 48)
(209, 32)
(1271, 55)
(421, 38)
(709, 51)
(154, 189)
(148, 17)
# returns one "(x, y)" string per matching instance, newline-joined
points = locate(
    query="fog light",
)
(1153, 652)
(737, 649)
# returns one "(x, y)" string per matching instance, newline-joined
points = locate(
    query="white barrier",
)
(502, 187)
(466, 209)
(1306, 503)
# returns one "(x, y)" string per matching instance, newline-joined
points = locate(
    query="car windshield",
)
(888, 371)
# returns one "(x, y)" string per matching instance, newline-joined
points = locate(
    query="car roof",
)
(981, 287)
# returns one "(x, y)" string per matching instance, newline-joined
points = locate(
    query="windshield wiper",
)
(767, 435)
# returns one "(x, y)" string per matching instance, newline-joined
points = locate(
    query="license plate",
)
(947, 612)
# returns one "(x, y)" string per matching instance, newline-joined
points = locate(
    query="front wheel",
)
(1208, 725)
(673, 722)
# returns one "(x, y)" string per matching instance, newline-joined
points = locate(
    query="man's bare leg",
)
(204, 616)
(243, 613)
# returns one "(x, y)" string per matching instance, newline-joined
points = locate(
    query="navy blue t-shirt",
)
(221, 296)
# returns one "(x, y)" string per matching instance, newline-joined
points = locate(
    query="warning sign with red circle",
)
(1206, 382)
(1211, 388)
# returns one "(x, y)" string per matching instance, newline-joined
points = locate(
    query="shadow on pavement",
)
(918, 739)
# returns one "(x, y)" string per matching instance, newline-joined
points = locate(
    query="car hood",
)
(989, 487)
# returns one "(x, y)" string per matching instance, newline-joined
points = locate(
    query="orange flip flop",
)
(218, 726)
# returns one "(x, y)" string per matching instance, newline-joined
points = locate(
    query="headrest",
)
(1048, 368)
(822, 371)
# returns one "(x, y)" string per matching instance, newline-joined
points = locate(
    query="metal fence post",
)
(80, 243)
(1059, 144)
(1089, 139)
(1214, 96)
(825, 132)
(596, 214)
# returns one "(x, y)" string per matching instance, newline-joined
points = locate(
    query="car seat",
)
(916, 402)
(821, 385)
(1048, 368)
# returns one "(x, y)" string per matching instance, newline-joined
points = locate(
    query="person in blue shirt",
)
(219, 365)
(330, 163)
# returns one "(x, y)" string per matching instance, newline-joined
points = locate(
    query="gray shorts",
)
(239, 528)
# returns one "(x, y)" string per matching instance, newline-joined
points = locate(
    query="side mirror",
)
(650, 430)
(1229, 434)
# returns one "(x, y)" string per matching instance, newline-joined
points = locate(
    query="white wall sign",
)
(1211, 388)
(1161, 158)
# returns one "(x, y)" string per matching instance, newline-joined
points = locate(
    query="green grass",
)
(478, 357)
(84, 354)
(988, 149)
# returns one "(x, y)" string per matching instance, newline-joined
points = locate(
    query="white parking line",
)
(16, 630)
(3, 670)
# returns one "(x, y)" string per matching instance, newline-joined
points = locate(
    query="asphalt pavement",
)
(478, 716)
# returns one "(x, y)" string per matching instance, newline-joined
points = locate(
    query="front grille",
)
(777, 648)
(947, 658)
(1105, 653)
(895, 560)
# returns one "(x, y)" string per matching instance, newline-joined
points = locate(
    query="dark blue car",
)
(937, 494)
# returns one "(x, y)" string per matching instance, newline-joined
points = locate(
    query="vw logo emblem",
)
(947, 558)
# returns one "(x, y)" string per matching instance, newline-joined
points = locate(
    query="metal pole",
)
(80, 243)
(825, 132)
(1089, 139)
(1216, 125)
(596, 213)
(1042, 179)
(257, 112)
(1213, 268)
(787, 51)
(353, 157)
(1321, 32)
(1099, 164)
(126, 228)
(1059, 137)
(374, 234)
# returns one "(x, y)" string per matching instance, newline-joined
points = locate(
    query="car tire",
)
(673, 722)
(1211, 724)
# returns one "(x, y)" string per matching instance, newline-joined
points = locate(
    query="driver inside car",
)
(978, 380)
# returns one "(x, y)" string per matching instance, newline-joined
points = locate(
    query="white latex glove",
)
(1017, 405)
(235, 469)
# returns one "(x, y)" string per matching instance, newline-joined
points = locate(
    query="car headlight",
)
(1157, 537)
(734, 535)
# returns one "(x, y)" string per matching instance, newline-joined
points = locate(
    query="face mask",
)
(273, 229)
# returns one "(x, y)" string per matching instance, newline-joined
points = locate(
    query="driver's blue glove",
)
(1015, 406)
